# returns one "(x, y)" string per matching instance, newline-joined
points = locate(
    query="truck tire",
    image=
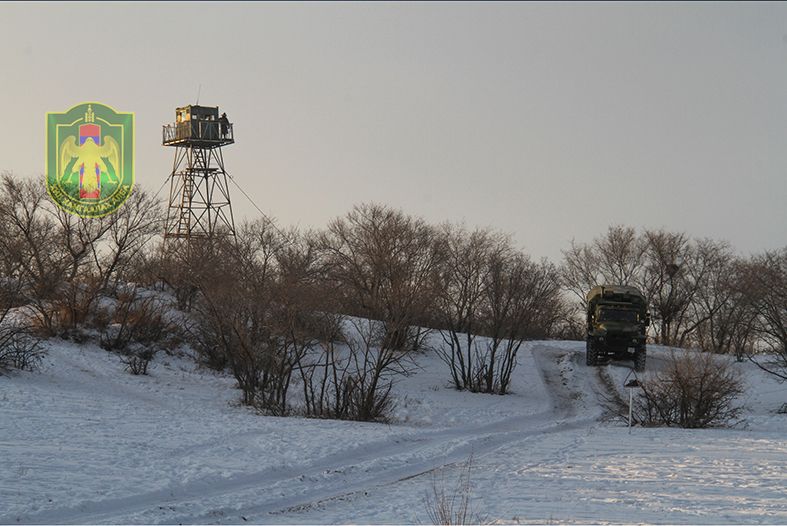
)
(590, 354)
(639, 360)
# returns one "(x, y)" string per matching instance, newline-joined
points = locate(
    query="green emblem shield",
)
(90, 159)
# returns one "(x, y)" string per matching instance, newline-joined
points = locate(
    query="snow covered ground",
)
(83, 442)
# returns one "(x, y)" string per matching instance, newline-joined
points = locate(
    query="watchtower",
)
(199, 195)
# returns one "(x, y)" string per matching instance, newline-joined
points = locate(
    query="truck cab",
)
(617, 321)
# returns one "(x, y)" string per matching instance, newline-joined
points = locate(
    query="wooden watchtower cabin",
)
(200, 125)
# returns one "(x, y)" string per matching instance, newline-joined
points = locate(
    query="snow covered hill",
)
(83, 442)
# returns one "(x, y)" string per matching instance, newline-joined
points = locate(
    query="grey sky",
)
(548, 121)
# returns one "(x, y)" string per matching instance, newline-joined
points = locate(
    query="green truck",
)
(617, 320)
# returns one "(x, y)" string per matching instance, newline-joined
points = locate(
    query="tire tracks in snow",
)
(290, 489)
(568, 394)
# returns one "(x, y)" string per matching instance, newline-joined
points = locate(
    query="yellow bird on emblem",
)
(90, 157)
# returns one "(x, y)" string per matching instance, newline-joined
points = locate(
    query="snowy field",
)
(83, 442)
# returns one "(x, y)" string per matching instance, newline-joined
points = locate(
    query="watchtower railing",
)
(199, 130)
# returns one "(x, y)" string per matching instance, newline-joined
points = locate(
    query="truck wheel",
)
(639, 360)
(590, 354)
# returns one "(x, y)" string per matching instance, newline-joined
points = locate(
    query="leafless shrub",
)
(347, 374)
(313, 334)
(696, 390)
(19, 348)
(74, 305)
(324, 371)
(207, 342)
(375, 361)
(380, 264)
(137, 328)
(135, 319)
(231, 330)
(184, 267)
(463, 280)
(452, 504)
(523, 303)
(137, 361)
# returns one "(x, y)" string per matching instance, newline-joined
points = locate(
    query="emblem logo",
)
(90, 159)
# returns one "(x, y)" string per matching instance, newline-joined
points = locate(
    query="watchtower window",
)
(182, 114)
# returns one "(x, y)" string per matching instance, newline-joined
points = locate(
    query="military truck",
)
(617, 318)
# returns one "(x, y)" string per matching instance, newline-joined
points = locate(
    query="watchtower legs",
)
(199, 197)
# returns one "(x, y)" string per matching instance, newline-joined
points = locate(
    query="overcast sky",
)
(548, 121)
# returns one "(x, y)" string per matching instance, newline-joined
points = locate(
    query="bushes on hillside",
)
(233, 314)
(64, 263)
(259, 303)
(268, 310)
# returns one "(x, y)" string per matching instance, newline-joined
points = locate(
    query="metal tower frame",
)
(199, 195)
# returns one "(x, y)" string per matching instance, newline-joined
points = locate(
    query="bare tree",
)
(30, 248)
(239, 311)
(79, 237)
(133, 226)
(385, 262)
(523, 302)
(721, 321)
(615, 258)
(182, 266)
(462, 285)
(489, 289)
(670, 282)
(303, 317)
(98, 251)
(326, 373)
